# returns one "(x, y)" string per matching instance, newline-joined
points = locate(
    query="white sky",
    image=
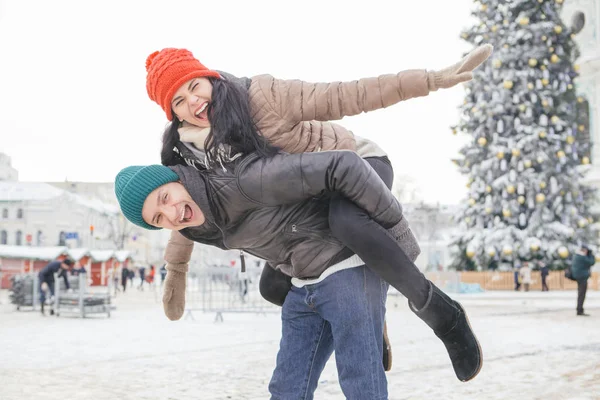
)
(72, 75)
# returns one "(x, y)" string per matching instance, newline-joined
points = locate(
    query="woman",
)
(290, 115)
(336, 304)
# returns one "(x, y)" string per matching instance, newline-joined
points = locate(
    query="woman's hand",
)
(460, 72)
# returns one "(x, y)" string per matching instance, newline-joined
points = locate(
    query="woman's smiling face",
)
(191, 100)
(170, 206)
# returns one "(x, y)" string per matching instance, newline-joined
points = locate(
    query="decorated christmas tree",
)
(530, 144)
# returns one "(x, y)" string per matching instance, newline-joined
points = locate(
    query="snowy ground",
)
(534, 348)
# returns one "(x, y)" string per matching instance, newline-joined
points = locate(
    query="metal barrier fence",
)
(222, 289)
(80, 302)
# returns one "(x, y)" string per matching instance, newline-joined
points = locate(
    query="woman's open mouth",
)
(201, 111)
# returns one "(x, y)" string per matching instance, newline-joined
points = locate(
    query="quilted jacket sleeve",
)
(290, 178)
(294, 101)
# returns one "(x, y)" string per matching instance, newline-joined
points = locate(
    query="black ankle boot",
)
(449, 322)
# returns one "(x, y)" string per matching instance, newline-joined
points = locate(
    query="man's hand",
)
(174, 291)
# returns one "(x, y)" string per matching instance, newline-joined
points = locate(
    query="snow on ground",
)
(534, 348)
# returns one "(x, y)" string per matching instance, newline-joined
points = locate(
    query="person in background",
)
(517, 278)
(525, 273)
(544, 271)
(124, 277)
(46, 277)
(580, 269)
(163, 274)
(142, 272)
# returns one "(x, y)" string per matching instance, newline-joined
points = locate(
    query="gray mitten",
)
(406, 240)
(174, 291)
(460, 72)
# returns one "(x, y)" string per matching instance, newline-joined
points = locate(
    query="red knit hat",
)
(168, 69)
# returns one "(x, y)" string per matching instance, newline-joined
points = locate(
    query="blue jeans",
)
(42, 293)
(345, 312)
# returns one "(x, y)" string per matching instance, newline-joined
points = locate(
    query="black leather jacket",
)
(277, 208)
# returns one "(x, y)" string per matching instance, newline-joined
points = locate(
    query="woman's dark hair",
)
(231, 124)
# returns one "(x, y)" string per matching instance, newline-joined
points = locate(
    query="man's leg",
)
(353, 302)
(306, 345)
(581, 291)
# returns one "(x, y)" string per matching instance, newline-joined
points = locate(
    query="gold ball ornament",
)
(507, 251)
(506, 46)
(545, 81)
(532, 62)
(468, 220)
(494, 28)
(472, 202)
(521, 199)
(585, 160)
(545, 103)
(534, 247)
(558, 29)
(488, 210)
(581, 128)
(569, 86)
(554, 59)
(563, 252)
(508, 84)
(522, 107)
(530, 86)
(582, 223)
(497, 63)
(506, 213)
(470, 253)
(540, 160)
(454, 131)
(542, 134)
(482, 141)
(560, 154)
(543, 185)
(597, 258)
(524, 21)
(516, 152)
(500, 155)
(554, 119)
(551, 49)
(580, 99)
(527, 163)
(559, 1)
(488, 189)
(491, 252)
(576, 67)
(540, 197)
(570, 139)
(544, 38)
(484, 7)
(510, 189)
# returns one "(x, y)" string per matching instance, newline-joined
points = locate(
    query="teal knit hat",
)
(132, 186)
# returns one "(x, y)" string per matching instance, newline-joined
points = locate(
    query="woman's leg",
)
(274, 285)
(390, 257)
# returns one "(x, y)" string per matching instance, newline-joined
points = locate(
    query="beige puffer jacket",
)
(294, 116)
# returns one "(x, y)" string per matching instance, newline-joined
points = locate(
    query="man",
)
(46, 277)
(277, 209)
(580, 269)
(124, 277)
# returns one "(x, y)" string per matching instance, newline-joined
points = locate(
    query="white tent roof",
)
(78, 253)
(101, 255)
(39, 191)
(122, 255)
(32, 253)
